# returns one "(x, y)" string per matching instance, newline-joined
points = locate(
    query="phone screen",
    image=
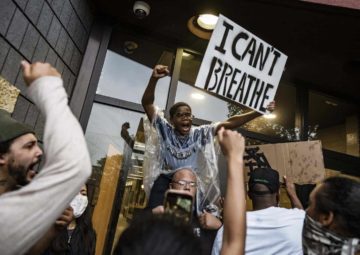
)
(179, 204)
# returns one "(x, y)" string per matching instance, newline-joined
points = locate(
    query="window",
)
(127, 79)
(336, 123)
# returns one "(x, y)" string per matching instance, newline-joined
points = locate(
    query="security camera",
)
(141, 9)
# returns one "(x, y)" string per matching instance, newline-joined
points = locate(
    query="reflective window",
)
(104, 128)
(282, 125)
(126, 79)
(110, 155)
(204, 106)
(335, 123)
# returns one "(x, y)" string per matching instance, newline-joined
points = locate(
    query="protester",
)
(79, 237)
(332, 224)
(270, 229)
(181, 145)
(204, 226)
(67, 163)
(162, 235)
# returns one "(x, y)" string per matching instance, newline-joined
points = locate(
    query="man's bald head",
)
(184, 179)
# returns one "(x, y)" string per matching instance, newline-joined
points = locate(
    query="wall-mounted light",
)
(187, 55)
(331, 103)
(197, 96)
(269, 116)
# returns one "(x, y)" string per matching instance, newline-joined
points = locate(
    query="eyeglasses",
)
(183, 183)
(184, 115)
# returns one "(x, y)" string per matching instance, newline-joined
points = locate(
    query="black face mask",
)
(319, 240)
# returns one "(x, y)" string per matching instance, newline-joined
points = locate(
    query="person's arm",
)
(232, 144)
(26, 214)
(239, 120)
(126, 136)
(147, 100)
(209, 221)
(291, 191)
(61, 223)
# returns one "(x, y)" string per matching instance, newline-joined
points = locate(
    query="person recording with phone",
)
(162, 234)
(183, 185)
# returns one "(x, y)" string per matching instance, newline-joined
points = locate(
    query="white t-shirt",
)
(273, 230)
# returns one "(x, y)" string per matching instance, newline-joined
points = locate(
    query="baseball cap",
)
(266, 176)
(11, 128)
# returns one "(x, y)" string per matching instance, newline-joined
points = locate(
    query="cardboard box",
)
(302, 161)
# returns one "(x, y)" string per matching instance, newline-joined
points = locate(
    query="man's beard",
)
(19, 174)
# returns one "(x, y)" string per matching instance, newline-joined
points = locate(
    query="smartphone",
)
(179, 203)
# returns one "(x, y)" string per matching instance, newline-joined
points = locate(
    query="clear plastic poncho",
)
(208, 190)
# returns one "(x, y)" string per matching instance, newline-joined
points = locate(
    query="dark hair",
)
(83, 238)
(173, 108)
(341, 196)
(5, 146)
(158, 235)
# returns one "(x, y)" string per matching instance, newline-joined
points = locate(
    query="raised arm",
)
(26, 214)
(291, 191)
(239, 120)
(232, 144)
(147, 100)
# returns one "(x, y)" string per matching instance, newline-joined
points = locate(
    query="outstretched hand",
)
(31, 72)
(289, 185)
(209, 221)
(160, 71)
(271, 106)
(65, 218)
(232, 143)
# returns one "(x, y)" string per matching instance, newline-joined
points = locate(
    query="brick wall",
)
(54, 31)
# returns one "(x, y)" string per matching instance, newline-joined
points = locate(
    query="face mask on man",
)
(79, 204)
(319, 240)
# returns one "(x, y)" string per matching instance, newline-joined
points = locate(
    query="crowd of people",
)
(46, 211)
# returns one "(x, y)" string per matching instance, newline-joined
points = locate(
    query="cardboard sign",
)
(8, 95)
(240, 66)
(301, 161)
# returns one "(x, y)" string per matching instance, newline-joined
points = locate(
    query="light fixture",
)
(187, 56)
(207, 21)
(197, 96)
(270, 116)
(331, 103)
(130, 47)
(202, 25)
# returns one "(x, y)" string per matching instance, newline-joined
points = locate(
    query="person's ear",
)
(2, 159)
(326, 219)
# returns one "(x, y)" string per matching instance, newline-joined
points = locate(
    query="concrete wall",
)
(54, 31)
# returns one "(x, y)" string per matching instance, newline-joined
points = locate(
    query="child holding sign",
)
(181, 145)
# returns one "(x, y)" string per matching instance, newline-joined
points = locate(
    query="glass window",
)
(109, 155)
(204, 105)
(335, 123)
(104, 128)
(128, 66)
(283, 123)
(126, 79)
